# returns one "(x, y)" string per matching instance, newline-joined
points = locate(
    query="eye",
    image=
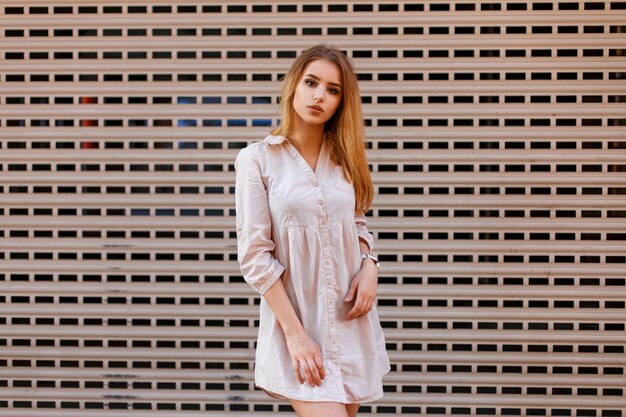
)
(332, 90)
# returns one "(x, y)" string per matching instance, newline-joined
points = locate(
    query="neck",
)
(307, 138)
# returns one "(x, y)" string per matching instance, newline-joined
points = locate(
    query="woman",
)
(301, 194)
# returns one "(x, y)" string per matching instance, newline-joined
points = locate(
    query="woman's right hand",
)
(304, 351)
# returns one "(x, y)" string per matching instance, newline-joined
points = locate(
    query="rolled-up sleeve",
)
(255, 246)
(361, 227)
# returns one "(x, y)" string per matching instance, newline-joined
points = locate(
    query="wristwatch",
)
(364, 256)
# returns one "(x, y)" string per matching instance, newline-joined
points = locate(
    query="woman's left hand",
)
(363, 286)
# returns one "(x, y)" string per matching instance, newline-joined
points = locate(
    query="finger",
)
(355, 308)
(351, 291)
(367, 305)
(296, 369)
(358, 304)
(314, 371)
(320, 365)
(354, 312)
(307, 372)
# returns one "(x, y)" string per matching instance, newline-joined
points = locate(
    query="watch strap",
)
(364, 256)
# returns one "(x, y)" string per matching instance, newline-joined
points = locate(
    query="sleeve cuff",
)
(270, 277)
(368, 239)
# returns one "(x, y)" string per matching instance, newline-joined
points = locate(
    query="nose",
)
(319, 94)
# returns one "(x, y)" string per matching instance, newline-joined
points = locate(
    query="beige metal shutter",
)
(498, 152)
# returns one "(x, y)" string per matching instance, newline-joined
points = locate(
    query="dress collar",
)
(274, 139)
(321, 161)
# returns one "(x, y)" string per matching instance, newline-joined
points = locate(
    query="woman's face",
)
(319, 86)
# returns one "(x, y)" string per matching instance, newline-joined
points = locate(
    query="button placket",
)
(328, 272)
(330, 290)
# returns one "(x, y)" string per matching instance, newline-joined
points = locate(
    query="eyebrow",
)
(317, 78)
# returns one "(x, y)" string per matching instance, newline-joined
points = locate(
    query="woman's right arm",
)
(262, 271)
(303, 349)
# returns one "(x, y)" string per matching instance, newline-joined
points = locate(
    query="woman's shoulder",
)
(256, 149)
(257, 152)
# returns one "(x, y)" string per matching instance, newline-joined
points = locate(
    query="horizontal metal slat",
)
(399, 357)
(466, 157)
(431, 202)
(380, 179)
(391, 111)
(476, 225)
(234, 43)
(290, 19)
(590, 247)
(244, 333)
(366, 87)
(245, 397)
(406, 268)
(572, 315)
(251, 134)
(201, 290)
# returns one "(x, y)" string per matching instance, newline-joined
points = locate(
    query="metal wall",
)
(498, 150)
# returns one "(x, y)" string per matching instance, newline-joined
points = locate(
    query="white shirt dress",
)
(302, 222)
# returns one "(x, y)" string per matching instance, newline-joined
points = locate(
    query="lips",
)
(318, 108)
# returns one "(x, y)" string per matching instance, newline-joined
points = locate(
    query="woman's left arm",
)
(365, 282)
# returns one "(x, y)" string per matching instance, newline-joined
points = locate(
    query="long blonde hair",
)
(345, 130)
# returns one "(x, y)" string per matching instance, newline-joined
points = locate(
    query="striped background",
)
(496, 139)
